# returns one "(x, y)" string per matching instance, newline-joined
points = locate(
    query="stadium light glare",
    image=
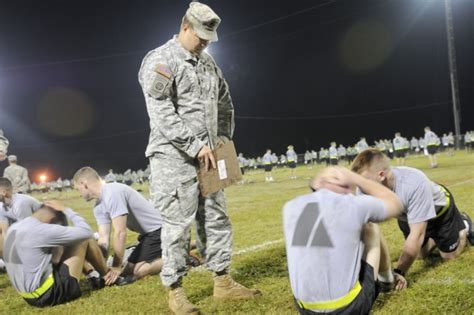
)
(43, 178)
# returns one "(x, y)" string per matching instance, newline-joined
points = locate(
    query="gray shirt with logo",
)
(323, 242)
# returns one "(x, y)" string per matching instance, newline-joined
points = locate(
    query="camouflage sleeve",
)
(3, 146)
(225, 115)
(159, 86)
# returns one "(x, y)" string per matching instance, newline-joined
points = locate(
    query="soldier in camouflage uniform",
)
(190, 112)
(3, 146)
(18, 175)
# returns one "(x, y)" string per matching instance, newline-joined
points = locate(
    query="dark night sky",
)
(69, 94)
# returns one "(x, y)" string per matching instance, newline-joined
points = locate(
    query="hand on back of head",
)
(336, 178)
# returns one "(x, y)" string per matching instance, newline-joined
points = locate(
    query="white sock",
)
(93, 274)
(386, 276)
(467, 226)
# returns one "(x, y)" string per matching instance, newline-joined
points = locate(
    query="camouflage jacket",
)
(187, 99)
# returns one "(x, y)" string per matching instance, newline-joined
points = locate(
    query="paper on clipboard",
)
(226, 173)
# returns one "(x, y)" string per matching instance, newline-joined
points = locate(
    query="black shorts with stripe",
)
(444, 230)
(364, 300)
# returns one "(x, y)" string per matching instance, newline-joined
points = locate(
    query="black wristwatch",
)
(398, 271)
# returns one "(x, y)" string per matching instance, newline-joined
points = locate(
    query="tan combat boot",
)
(226, 288)
(178, 302)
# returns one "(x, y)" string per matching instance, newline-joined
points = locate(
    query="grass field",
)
(259, 256)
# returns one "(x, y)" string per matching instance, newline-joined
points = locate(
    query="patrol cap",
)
(12, 158)
(204, 20)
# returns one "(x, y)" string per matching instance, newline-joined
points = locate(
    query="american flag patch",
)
(164, 71)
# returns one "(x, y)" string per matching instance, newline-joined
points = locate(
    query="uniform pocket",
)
(188, 197)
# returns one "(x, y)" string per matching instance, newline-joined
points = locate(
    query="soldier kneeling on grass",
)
(335, 254)
(45, 258)
(430, 218)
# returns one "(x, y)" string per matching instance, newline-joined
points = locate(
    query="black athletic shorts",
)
(399, 153)
(292, 164)
(363, 302)
(268, 167)
(432, 149)
(65, 288)
(148, 248)
(333, 161)
(444, 230)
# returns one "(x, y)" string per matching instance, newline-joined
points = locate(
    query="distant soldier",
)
(414, 145)
(445, 142)
(267, 161)
(333, 157)
(324, 156)
(342, 153)
(399, 148)
(450, 143)
(3, 146)
(361, 145)
(127, 177)
(242, 163)
(381, 145)
(18, 175)
(110, 177)
(432, 143)
(141, 176)
(468, 141)
(292, 159)
(421, 143)
(283, 160)
(307, 158)
(314, 156)
(351, 154)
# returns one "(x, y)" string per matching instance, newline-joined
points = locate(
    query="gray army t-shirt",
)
(21, 207)
(323, 242)
(417, 193)
(119, 199)
(29, 244)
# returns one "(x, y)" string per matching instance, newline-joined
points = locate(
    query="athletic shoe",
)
(385, 287)
(470, 232)
(121, 281)
(96, 283)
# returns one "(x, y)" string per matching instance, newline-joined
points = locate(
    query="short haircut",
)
(87, 173)
(6, 183)
(187, 22)
(59, 217)
(369, 158)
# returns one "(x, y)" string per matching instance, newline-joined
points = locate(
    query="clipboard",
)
(227, 171)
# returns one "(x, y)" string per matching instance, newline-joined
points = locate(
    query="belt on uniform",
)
(48, 283)
(448, 202)
(333, 304)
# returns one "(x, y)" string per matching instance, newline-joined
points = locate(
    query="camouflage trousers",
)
(175, 193)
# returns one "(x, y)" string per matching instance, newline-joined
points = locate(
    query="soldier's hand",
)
(2, 156)
(205, 156)
(400, 282)
(55, 204)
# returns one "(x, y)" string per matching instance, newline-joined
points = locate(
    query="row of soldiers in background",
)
(399, 147)
(129, 177)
